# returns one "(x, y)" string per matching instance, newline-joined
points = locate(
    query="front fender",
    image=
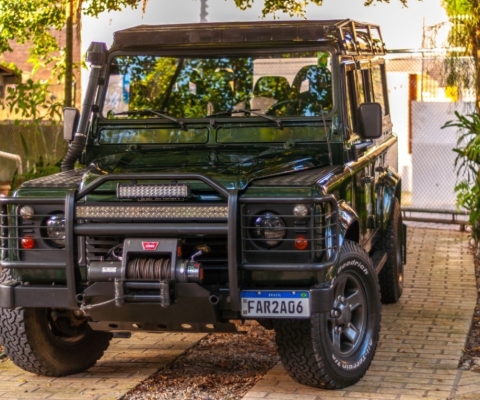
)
(389, 187)
(349, 227)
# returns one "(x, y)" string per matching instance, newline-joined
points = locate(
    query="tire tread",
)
(22, 351)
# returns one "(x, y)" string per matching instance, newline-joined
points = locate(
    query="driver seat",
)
(313, 87)
(268, 91)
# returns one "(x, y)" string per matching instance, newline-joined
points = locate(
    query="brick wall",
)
(19, 56)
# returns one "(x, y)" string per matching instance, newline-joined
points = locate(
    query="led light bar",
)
(153, 191)
(198, 212)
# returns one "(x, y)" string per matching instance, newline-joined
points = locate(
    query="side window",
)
(367, 85)
(364, 86)
(350, 94)
(379, 88)
(359, 84)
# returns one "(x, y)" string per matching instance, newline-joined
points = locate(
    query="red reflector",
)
(27, 242)
(301, 243)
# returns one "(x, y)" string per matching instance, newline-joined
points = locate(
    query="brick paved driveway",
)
(422, 336)
(125, 364)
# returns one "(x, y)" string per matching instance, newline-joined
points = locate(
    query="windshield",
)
(279, 85)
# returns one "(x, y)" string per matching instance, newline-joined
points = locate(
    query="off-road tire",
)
(306, 347)
(29, 341)
(390, 277)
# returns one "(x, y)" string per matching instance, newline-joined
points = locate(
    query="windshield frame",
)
(219, 53)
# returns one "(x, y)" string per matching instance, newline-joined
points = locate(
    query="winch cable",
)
(152, 269)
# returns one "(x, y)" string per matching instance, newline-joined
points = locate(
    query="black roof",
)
(347, 34)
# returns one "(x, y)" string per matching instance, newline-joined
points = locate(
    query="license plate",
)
(276, 303)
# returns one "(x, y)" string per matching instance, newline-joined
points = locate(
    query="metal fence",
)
(425, 90)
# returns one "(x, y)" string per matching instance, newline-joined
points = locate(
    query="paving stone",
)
(110, 379)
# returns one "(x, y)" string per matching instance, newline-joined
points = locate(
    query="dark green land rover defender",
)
(216, 172)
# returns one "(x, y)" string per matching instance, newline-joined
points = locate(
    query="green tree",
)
(293, 7)
(36, 22)
(464, 40)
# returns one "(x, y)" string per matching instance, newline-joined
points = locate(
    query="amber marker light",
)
(27, 242)
(301, 243)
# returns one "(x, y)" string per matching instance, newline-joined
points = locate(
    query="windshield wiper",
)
(254, 112)
(148, 111)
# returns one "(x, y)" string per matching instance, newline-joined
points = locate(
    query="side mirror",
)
(370, 118)
(70, 122)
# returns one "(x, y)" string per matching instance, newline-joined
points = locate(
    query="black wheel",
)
(334, 350)
(48, 341)
(391, 275)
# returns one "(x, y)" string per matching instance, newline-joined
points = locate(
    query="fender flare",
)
(349, 227)
(390, 183)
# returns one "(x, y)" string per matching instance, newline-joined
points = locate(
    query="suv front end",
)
(217, 185)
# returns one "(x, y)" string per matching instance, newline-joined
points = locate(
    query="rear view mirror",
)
(70, 122)
(370, 118)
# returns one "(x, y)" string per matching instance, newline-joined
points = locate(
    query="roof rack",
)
(360, 38)
(352, 37)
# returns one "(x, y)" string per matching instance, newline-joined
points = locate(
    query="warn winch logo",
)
(150, 245)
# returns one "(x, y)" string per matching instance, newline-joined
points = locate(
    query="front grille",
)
(98, 247)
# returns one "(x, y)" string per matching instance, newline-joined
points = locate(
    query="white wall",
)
(398, 96)
(434, 176)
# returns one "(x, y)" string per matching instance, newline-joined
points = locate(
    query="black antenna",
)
(203, 10)
(326, 134)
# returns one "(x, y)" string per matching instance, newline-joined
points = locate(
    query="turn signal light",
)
(301, 243)
(27, 242)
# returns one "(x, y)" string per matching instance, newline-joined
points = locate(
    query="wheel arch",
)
(391, 183)
(349, 227)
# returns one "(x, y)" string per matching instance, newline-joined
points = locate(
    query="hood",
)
(231, 169)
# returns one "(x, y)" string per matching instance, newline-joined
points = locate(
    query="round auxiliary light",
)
(300, 210)
(55, 230)
(270, 228)
(26, 212)
(301, 242)
(27, 242)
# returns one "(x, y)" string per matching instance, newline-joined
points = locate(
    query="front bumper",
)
(66, 296)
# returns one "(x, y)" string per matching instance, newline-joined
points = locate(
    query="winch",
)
(146, 264)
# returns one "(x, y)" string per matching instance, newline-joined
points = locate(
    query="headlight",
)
(55, 230)
(270, 228)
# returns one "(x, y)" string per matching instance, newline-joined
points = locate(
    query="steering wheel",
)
(287, 107)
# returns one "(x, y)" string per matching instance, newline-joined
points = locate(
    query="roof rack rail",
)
(359, 38)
